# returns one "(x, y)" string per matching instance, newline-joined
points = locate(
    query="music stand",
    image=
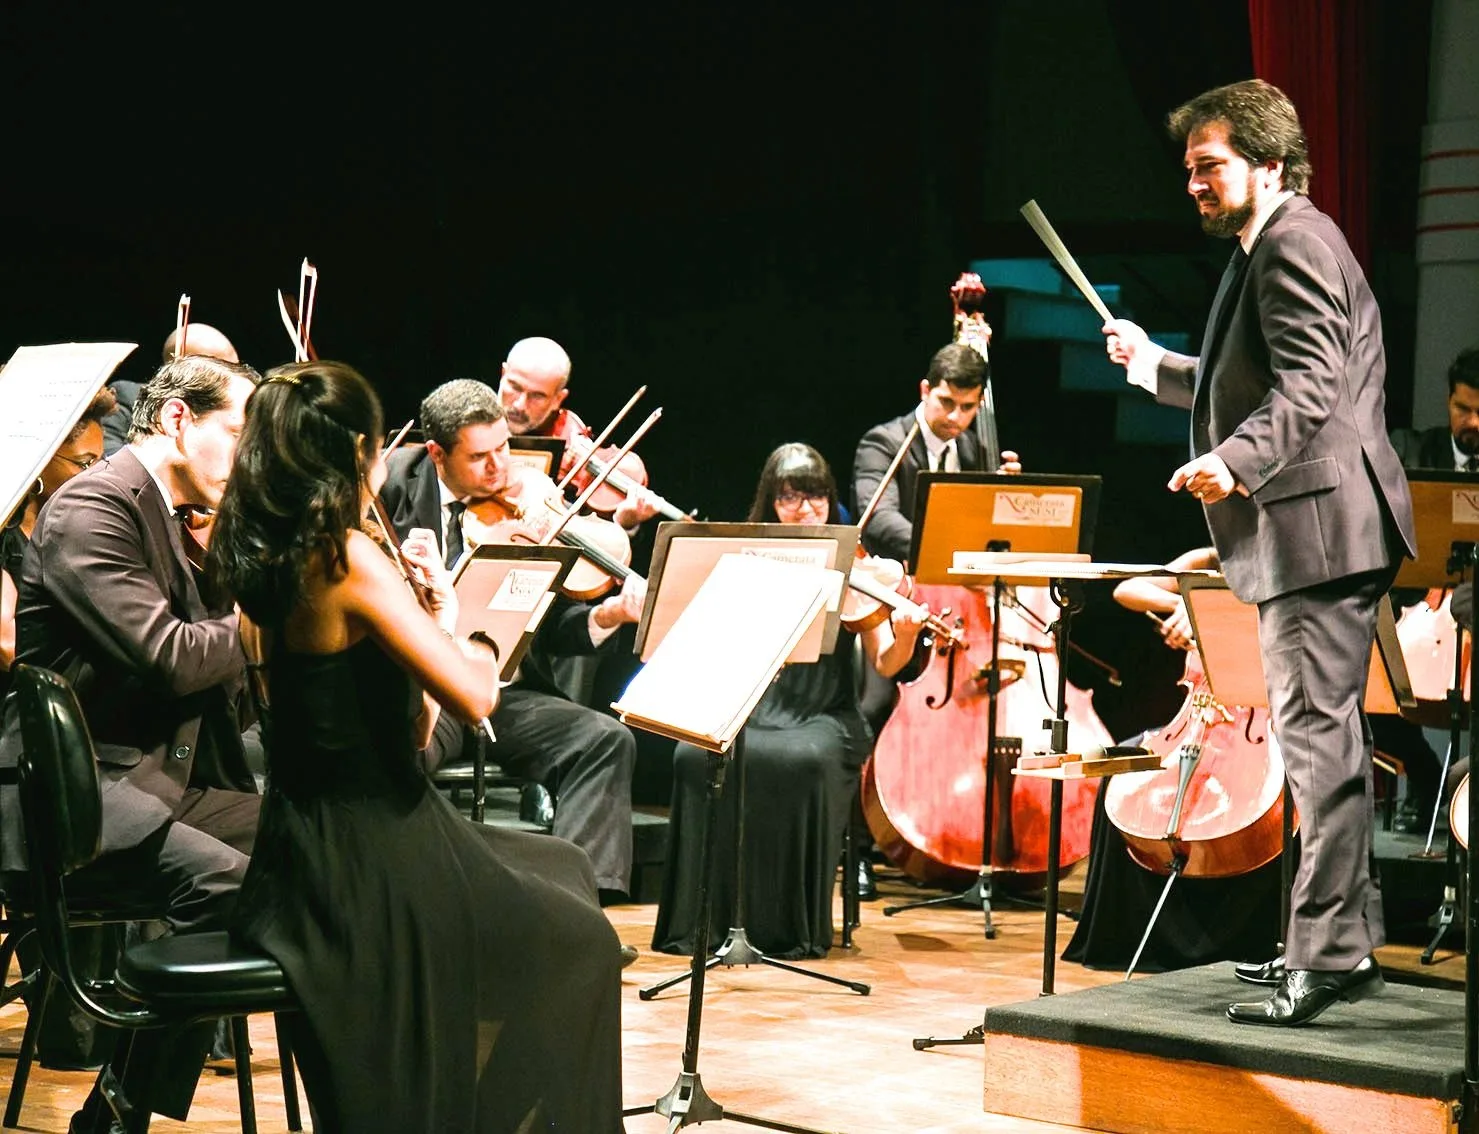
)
(717, 658)
(1445, 513)
(1226, 633)
(1040, 515)
(543, 454)
(683, 558)
(503, 593)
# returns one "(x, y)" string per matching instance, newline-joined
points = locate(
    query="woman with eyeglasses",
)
(804, 744)
(82, 448)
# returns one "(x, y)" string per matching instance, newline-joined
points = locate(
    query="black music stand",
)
(1226, 631)
(544, 454)
(1038, 515)
(719, 655)
(681, 560)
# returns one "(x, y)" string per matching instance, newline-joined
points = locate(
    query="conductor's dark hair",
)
(312, 432)
(799, 467)
(1262, 126)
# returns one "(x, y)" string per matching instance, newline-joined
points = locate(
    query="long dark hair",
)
(797, 466)
(295, 488)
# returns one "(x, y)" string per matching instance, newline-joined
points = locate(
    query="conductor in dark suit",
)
(1306, 501)
(950, 397)
(107, 598)
(584, 757)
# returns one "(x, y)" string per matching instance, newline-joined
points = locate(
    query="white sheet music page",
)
(43, 391)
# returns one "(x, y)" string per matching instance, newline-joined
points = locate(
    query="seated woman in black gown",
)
(452, 977)
(803, 747)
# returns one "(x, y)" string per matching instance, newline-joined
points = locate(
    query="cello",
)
(924, 787)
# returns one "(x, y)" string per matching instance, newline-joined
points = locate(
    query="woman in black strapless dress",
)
(453, 977)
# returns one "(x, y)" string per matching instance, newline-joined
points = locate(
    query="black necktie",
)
(1230, 279)
(454, 532)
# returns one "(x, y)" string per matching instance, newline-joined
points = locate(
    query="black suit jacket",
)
(1424, 449)
(1288, 391)
(891, 529)
(413, 499)
(107, 598)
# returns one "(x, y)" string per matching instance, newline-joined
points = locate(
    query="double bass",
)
(924, 787)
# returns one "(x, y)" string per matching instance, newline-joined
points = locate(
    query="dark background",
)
(757, 214)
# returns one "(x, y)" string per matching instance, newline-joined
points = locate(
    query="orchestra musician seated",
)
(583, 757)
(804, 744)
(423, 949)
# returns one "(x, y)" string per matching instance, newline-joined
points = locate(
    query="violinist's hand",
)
(420, 550)
(1207, 478)
(624, 606)
(636, 509)
(907, 624)
(1176, 628)
(1011, 464)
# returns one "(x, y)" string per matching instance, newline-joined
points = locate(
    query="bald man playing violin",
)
(584, 757)
(533, 386)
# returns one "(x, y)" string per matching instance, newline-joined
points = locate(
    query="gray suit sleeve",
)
(1175, 380)
(1302, 312)
(888, 533)
(94, 563)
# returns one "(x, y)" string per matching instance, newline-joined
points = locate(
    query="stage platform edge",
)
(1158, 1054)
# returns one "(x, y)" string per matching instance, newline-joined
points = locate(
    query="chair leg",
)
(242, 1044)
(289, 1078)
(29, 1040)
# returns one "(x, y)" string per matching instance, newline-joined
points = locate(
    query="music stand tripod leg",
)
(737, 949)
(686, 1102)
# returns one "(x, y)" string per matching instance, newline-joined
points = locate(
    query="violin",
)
(620, 473)
(877, 588)
(528, 510)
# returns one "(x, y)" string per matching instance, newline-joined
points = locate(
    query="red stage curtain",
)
(1315, 51)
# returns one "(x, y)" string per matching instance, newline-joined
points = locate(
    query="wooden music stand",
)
(957, 514)
(719, 654)
(1040, 513)
(1226, 632)
(1445, 511)
(504, 591)
(684, 554)
(541, 453)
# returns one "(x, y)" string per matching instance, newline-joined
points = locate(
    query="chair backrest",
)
(60, 800)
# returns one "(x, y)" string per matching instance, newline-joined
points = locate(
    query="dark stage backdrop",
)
(756, 214)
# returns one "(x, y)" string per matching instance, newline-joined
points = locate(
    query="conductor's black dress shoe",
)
(1305, 993)
(1269, 972)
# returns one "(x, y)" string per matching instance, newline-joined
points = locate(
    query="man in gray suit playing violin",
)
(1306, 501)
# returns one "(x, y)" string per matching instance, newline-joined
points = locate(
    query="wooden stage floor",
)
(773, 1044)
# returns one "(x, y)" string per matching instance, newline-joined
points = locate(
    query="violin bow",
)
(596, 481)
(182, 324)
(601, 440)
(297, 316)
(888, 476)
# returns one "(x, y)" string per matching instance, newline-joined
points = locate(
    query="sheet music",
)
(43, 392)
